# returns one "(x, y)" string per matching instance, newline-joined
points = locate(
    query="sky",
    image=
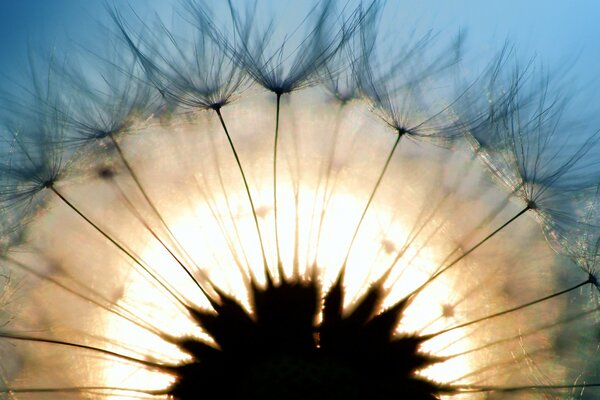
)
(558, 33)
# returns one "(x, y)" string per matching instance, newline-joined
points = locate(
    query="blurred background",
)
(562, 36)
(558, 31)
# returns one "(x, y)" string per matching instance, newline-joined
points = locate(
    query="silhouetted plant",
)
(215, 210)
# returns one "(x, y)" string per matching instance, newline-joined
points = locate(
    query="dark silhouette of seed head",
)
(297, 344)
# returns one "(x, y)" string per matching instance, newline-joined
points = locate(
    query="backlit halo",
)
(431, 204)
(226, 217)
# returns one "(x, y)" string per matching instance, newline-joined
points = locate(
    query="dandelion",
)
(218, 210)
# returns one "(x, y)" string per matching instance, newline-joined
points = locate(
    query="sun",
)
(315, 253)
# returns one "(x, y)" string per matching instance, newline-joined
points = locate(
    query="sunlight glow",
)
(221, 250)
(432, 204)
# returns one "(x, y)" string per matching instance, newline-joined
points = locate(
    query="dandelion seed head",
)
(236, 214)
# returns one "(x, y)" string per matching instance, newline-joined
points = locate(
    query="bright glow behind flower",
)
(151, 225)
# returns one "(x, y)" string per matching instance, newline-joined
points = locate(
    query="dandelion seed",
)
(234, 214)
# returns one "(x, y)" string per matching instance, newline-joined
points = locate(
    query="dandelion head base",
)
(281, 351)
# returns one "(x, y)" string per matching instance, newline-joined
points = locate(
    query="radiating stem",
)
(111, 309)
(487, 220)
(481, 242)
(324, 197)
(511, 310)
(146, 197)
(141, 220)
(466, 253)
(373, 192)
(522, 335)
(80, 389)
(479, 389)
(275, 146)
(86, 347)
(129, 254)
(246, 187)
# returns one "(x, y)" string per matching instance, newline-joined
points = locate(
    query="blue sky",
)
(556, 32)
